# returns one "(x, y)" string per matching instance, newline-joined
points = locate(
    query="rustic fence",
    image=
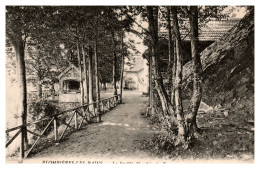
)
(71, 119)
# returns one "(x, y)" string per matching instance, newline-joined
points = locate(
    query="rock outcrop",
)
(228, 70)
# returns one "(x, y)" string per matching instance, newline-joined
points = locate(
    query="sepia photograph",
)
(129, 84)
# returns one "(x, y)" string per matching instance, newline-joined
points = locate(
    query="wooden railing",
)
(80, 114)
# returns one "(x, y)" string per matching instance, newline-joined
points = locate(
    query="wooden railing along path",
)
(81, 113)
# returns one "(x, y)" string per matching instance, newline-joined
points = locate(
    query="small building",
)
(69, 82)
(136, 75)
(208, 33)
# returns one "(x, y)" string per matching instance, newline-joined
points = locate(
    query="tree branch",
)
(140, 26)
(185, 10)
(9, 36)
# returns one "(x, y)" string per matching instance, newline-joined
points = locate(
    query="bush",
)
(40, 109)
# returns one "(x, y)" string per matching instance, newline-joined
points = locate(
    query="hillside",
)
(228, 71)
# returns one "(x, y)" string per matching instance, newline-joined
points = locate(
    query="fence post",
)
(22, 143)
(108, 104)
(94, 109)
(121, 98)
(55, 129)
(76, 120)
(115, 100)
(103, 108)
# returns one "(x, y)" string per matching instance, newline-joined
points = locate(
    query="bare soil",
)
(224, 137)
(118, 137)
(126, 136)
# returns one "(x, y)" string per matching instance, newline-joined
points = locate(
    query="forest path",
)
(118, 137)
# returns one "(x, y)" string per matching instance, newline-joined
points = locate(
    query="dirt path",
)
(118, 137)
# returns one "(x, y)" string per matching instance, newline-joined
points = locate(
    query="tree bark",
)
(178, 79)
(173, 71)
(151, 111)
(122, 67)
(153, 27)
(170, 46)
(80, 76)
(85, 74)
(90, 76)
(114, 74)
(105, 86)
(197, 70)
(114, 63)
(171, 58)
(21, 75)
(97, 82)
(173, 75)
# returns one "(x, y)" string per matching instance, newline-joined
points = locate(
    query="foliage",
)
(44, 29)
(41, 109)
(221, 137)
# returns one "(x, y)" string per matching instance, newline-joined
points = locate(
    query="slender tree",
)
(20, 22)
(90, 75)
(80, 75)
(97, 80)
(151, 85)
(197, 70)
(178, 79)
(171, 57)
(170, 45)
(122, 66)
(19, 45)
(152, 14)
(85, 69)
(114, 62)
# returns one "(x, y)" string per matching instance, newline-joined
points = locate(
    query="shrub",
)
(40, 109)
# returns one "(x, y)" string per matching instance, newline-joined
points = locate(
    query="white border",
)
(132, 2)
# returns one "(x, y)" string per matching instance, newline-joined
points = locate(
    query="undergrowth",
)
(221, 138)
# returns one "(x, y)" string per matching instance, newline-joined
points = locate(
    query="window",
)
(74, 85)
(71, 86)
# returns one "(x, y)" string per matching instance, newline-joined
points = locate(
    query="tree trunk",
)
(151, 111)
(170, 51)
(102, 85)
(170, 46)
(80, 76)
(197, 70)
(21, 75)
(114, 74)
(114, 64)
(97, 82)
(85, 74)
(153, 27)
(90, 76)
(178, 79)
(122, 67)
(173, 76)
(171, 58)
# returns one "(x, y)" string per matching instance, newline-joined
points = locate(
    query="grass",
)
(222, 138)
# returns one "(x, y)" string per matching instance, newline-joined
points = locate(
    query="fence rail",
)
(87, 113)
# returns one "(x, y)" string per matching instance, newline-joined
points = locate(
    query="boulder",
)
(228, 69)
